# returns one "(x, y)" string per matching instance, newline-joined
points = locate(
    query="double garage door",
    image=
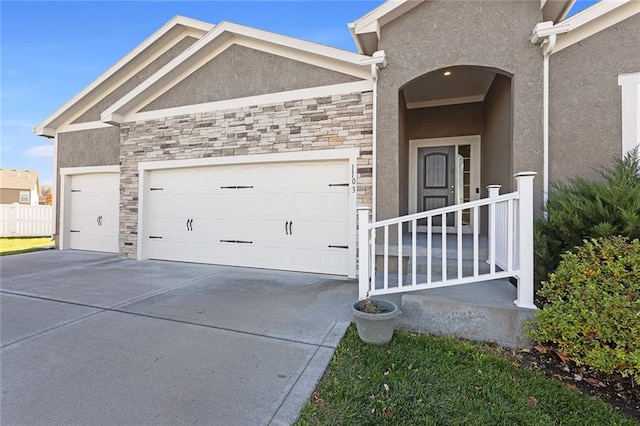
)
(290, 216)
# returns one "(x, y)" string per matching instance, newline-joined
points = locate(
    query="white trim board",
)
(630, 104)
(612, 13)
(89, 125)
(415, 144)
(349, 154)
(269, 98)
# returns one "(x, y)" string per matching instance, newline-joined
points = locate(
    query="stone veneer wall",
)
(331, 122)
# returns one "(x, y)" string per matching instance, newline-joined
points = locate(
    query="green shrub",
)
(582, 209)
(592, 314)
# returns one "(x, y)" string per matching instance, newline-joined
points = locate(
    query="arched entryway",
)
(455, 136)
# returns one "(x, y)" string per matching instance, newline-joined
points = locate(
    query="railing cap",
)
(525, 174)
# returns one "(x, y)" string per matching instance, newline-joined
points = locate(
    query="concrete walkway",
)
(90, 339)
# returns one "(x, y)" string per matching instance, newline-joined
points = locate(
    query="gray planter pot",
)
(376, 329)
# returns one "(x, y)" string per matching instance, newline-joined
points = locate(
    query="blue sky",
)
(51, 50)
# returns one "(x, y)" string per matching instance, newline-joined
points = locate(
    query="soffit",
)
(437, 89)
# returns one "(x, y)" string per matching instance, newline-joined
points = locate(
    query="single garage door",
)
(93, 216)
(290, 216)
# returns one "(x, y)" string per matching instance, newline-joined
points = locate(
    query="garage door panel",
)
(93, 212)
(242, 214)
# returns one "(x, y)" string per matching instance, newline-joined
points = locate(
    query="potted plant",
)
(375, 320)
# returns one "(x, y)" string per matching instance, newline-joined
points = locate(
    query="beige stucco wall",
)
(95, 147)
(93, 113)
(241, 71)
(445, 121)
(497, 154)
(439, 34)
(585, 99)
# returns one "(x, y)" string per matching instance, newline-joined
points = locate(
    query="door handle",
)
(189, 224)
(286, 230)
(291, 228)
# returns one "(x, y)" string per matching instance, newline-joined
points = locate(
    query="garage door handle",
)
(291, 228)
(189, 224)
(236, 241)
(73, 230)
(154, 237)
(340, 247)
(287, 228)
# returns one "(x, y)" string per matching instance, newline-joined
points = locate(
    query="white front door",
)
(93, 220)
(289, 215)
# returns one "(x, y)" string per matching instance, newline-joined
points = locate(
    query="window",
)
(630, 84)
(24, 197)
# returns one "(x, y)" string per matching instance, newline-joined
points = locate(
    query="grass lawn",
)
(430, 380)
(23, 245)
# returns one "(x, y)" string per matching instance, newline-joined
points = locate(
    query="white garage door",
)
(290, 216)
(93, 216)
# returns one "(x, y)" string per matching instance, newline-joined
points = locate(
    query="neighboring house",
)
(231, 145)
(19, 186)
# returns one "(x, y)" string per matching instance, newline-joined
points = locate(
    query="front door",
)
(437, 180)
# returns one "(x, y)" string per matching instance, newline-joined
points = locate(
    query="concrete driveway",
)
(90, 339)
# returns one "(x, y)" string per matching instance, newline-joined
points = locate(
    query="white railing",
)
(21, 220)
(509, 254)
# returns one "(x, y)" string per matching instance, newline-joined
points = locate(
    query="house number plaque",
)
(353, 178)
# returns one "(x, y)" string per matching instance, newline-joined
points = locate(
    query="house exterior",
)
(230, 145)
(19, 186)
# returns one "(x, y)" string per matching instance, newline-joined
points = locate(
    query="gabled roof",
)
(215, 42)
(366, 30)
(592, 20)
(157, 43)
(19, 179)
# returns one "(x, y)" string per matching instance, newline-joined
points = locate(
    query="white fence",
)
(21, 220)
(510, 244)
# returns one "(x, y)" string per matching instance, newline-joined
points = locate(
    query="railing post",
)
(494, 191)
(524, 183)
(363, 253)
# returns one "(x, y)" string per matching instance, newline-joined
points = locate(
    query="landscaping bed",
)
(619, 392)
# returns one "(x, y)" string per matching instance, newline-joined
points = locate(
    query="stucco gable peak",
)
(217, 40)
(161, 40)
